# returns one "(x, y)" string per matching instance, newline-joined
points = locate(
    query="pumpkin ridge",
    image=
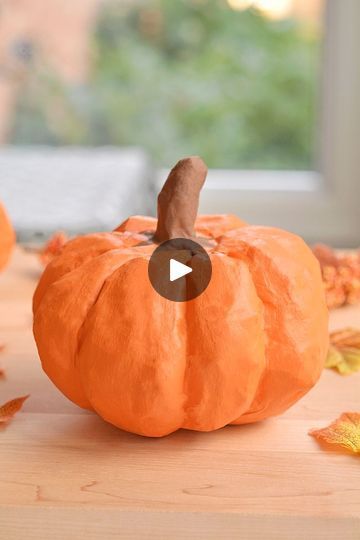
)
(245, 256)
(45, 282)
(57, 283)
(80, 336)
(204, 412)
(283, 283)
(122, 414)
(93, 305)
(69, 272)
(268, 305)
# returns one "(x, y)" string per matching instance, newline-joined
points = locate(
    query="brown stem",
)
(178, 201)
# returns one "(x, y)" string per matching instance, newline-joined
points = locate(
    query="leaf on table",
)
(53, 247)
(349, 337)
(345, 432)
(10, 408)
(341, 275)
(2, 371)
(344, 351)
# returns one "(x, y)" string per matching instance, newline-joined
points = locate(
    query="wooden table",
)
(66, 474)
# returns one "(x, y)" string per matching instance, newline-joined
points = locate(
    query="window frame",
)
(320, 206)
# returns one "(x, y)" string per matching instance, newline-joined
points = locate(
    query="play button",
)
(179, 269)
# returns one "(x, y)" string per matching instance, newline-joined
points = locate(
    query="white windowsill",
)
(257, 180)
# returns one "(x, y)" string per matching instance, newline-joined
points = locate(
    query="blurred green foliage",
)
(187, 77)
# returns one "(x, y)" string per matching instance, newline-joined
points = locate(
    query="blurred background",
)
(98, 98)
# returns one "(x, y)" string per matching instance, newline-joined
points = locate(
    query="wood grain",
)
(64, 473)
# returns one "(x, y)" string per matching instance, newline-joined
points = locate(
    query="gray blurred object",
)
(76, 190)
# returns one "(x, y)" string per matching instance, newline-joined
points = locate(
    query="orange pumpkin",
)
(7, 238)
(247, 348)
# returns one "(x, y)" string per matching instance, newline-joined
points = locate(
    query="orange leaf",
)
(348, 337)
(2, 371)
(344, 351)
(345, 432)
(341, 275)
(53, 247)
(10, 408)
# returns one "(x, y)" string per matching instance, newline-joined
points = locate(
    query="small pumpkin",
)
(247, 348)
(7, 238)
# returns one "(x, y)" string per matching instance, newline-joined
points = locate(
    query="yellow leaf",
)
(344, 351)
(10, 408)
(345, 432)
(334, 357)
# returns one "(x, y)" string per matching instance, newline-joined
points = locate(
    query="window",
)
(235, 81)
(267, 91)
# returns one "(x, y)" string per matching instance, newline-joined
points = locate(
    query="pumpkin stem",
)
(178, 201)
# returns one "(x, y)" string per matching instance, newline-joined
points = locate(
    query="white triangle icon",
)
(178, 269)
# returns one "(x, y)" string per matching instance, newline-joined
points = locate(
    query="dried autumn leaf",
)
(344, 351)
(347, 337)
(53, 247)
(2, 371)
(340, 273)
(345, 432)
(10, 408)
